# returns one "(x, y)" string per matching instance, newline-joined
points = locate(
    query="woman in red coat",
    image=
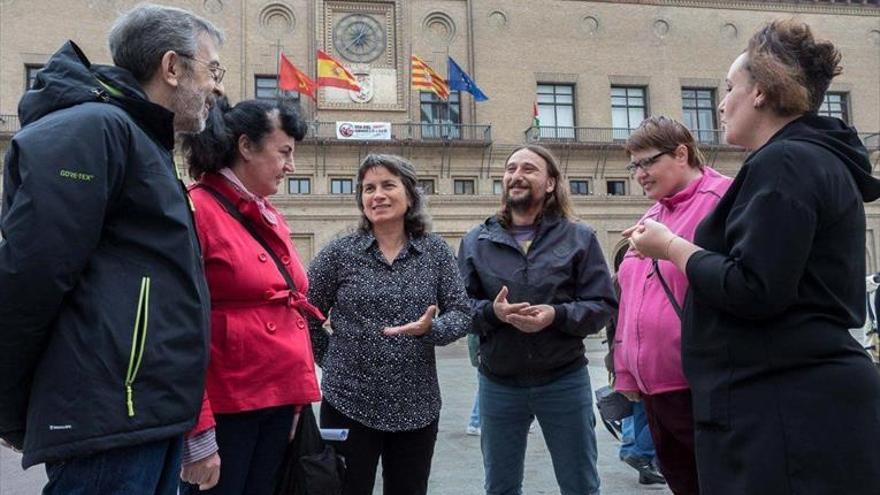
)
(261, 364)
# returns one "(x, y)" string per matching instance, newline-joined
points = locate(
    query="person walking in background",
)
(784, 400)
(647, 344)
(538, 285)
(393, 293)
(104, 307)
(261, 367)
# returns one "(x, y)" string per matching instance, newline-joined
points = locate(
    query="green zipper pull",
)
(129, 400)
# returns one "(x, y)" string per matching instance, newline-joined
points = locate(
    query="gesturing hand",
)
(503, 309)
(415, 328)
(652, 240)
(204, 472)
(533, 319)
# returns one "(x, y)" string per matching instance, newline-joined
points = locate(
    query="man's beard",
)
(520, 203)
(188, 105)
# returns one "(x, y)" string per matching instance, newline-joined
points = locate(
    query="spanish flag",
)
(292, 79)
(332, 73)
(425, 78)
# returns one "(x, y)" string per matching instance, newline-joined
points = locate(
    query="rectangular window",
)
(341, 186)
(616, 187)
(427, 186)
(497, 187)
(266, 88)
(579, 187)
(440, 119)
(698, 108)
(299, 185)
(835, 105)
(463, 186)
(556, 111)
(30, 74)
(628, 109)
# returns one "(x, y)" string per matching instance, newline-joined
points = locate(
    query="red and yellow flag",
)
(292, 79)
(332, 73)
(426, 78)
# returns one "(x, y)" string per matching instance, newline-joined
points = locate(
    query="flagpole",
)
(449, 98)
(277, 69)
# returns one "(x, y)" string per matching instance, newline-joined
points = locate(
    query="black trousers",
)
(252, 446)
(671, 420)
(406, 455)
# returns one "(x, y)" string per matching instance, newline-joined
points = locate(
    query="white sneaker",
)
(473, 431)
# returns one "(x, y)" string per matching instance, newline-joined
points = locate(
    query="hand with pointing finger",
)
(415, 328)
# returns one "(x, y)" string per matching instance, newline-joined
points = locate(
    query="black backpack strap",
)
(252, 229)
(667, 290)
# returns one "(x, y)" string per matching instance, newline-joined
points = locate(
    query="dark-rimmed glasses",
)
(217, 71)
(645, 163)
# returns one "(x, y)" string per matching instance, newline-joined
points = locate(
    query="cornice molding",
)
(800, 7)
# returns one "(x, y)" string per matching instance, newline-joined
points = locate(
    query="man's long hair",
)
(556, 203)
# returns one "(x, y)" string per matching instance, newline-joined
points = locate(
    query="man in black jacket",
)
(104, 310)
(538, 285)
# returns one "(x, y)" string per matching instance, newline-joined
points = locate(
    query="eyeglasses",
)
(216, 70)
(644, 163)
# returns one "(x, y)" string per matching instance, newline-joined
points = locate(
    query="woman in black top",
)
(785, 401)
(382, 287)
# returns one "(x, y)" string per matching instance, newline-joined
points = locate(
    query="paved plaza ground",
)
(457, 468)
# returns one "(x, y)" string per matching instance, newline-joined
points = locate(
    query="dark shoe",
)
(648, 473)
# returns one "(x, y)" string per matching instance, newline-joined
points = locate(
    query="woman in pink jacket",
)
(647, 345)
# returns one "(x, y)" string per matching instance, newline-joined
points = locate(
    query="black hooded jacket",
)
(780, 389)
(104, 309)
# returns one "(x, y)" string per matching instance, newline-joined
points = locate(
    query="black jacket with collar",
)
(104, 309)
(563, 267)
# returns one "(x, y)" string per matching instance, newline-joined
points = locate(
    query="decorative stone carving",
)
(213, 6)
(729, 31)
(498, 19)
(589, 25)
(660, 28)
(277, 19)
(439, 26)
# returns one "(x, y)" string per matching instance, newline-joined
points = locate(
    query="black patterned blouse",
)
(385, 383)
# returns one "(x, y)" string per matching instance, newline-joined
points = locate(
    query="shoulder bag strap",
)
(252, 229)
(667, 290)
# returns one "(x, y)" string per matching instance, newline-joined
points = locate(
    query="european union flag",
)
(460, 81)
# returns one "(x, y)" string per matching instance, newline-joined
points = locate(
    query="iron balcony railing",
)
(414, 131)
(603, 135)
(609, 135)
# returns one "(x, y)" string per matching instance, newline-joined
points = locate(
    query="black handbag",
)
(310, 466)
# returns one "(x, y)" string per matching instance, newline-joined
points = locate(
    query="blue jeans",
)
(146, 469)
(636, 440)
(475, 412)
(564, 409)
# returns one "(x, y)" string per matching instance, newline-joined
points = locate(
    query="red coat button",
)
(270, 327)
(301, 324)
(285, 260)
(263, 257)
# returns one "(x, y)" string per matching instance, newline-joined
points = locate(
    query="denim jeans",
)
(636, 440)
(474, 421)
(146, 469)
(564, 408)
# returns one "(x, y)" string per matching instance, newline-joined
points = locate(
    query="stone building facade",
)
(594, 68)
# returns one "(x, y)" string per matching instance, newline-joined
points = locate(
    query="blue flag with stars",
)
(459, 80)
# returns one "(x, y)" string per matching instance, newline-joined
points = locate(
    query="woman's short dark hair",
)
(792, 69)
(416, 222)
(664, 134)
(217, 146)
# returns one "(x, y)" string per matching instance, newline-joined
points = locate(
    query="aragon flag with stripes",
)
(427, 79)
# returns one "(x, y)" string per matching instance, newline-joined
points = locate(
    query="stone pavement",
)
(457, 468)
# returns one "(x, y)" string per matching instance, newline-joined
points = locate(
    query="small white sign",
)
(378, 131)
